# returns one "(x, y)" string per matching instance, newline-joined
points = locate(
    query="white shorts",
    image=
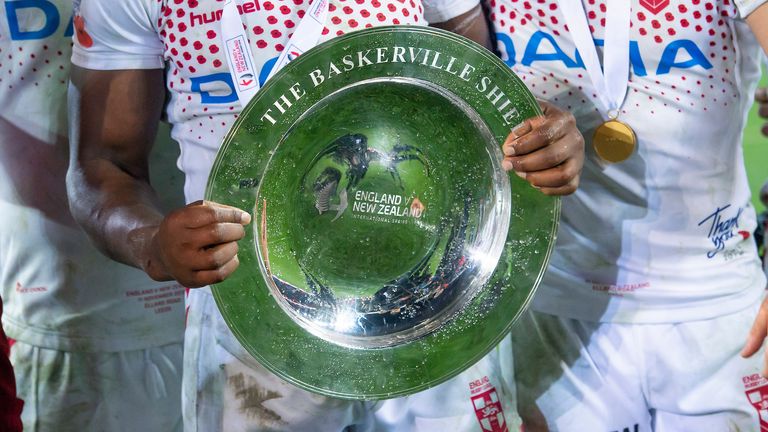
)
(583, 376)
(125, 391)
(225, 389)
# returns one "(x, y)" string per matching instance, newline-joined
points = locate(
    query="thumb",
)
(757, 333)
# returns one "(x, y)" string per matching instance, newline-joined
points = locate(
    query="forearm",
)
(471, 24)
(758, 22)
(119, 212)
(113, 122)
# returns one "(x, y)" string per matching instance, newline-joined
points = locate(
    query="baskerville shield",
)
(388, 251)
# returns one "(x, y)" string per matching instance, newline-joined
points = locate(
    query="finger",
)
(526, 129)
(757, 333)
(764, 129)
(545, 133)
(207, 277)
(190, 281)
(546, 107)
(541, 159)
(555, 177)
(204, 213)
(214, 234)
(753, 343)
(761, 95)
(214, 257)
(562, 190)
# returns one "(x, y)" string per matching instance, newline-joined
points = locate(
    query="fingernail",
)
(522, 175)
(506, 165)
(245, 218)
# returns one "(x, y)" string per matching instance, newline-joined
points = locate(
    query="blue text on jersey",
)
(543, 47)
(22, 24)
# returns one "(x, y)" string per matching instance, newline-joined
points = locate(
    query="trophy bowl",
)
(389, 250)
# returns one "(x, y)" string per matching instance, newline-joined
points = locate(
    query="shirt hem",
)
(645, 315)
(449, 11)
(63, 342)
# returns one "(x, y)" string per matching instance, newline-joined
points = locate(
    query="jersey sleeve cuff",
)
(103, 61)
(436, 11)
(746, 7)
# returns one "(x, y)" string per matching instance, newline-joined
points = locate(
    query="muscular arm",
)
(471, 25)
(113, 122)
(758, 22)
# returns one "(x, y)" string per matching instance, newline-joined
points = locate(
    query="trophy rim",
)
(312, 341)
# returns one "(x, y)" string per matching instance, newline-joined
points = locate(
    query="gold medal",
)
(614, 141)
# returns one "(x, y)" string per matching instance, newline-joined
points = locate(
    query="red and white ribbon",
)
(245, 76)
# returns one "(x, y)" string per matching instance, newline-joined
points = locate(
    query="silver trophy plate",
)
(389, 250)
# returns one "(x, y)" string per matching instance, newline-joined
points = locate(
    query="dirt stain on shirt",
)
(252, 397)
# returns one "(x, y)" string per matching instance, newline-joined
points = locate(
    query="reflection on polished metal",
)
(614, 141)
(369, 236)
(390, 251)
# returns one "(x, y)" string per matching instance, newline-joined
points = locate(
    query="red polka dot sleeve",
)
(117, 35)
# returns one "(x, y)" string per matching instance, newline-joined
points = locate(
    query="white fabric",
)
(99, 392)
(225, 389)
(611, 86)
(239, 56)
(306, 36)
(585, 376)
(141, 48)
(746, 7)
(444, 408)
(642, 240)
(436, 11)
(59, 291)
(234, 40)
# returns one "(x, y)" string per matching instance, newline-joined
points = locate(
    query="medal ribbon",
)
(611, 86)
(240, 57)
